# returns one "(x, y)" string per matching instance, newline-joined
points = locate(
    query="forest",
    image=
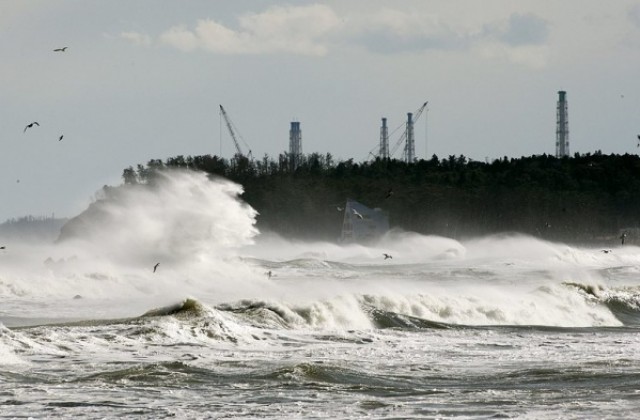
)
(586, 198)
(32, 228)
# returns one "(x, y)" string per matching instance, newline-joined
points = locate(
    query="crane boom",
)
(231, 131)
(419, 111)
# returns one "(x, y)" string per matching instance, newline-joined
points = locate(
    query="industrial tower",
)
(295, 144)
(410, 151)
(384, 140)
(562, 126)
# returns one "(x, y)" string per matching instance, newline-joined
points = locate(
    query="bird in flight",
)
(339, 208)
(387, 256)
(389, 193)
(61, 136)
(31, 125)
(155, 267)
(606, 251)
(63, 49)
(3, 247)
(355, 213)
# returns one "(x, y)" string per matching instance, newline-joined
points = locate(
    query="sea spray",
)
(182, 215)
(204, 237)
(190, 224)
(248, 325)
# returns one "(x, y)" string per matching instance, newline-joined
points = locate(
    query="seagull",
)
(387, 256)
(155, 267)
(63, 49)
(3, 247)
(61, 136)
(606, 251)
(389, 193)
(355, 213)
(31, 125)
(339, 208)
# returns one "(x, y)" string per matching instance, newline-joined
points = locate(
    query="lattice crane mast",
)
(232, 132)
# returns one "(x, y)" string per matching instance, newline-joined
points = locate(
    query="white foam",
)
(205, 239)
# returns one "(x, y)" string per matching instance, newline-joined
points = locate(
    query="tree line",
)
(583, 198)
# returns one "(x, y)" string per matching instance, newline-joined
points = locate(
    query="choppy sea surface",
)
(506, 326)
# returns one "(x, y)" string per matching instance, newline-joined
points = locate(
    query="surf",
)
(204, 237)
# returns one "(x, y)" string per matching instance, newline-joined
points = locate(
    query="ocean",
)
(237, 323)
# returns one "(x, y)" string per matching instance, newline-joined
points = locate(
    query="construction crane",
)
(403, 137)
(232, 132)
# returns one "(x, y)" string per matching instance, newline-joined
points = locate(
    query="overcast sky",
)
(143, 80)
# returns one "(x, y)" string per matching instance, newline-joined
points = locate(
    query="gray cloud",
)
(522, 29)
(405, 32)
(389, 42)
(634, 15)
(390, 31)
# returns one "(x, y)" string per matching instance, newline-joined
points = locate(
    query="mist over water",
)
(205, 239)
(191, 225)
(181, 216)
(500, 326)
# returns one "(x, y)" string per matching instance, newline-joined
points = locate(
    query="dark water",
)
(201, 362)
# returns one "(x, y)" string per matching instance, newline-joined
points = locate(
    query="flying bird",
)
(387, 256)
(61, 136)
(3, 247)
(389, 193)
(155, 267)
(606, 251)
(31, 125)
(355, 213)
(63, 49)
(339, 208)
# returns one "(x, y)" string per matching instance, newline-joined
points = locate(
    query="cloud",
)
(137, 38)
(634, 15)
(313, 29)
(521, 29)
(295, 30)
(521, 39)
(534, 56)
(393, 31)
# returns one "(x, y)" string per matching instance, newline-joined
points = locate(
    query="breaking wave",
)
(204, 237)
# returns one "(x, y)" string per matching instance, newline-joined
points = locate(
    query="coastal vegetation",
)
(584, 198)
